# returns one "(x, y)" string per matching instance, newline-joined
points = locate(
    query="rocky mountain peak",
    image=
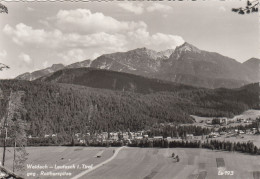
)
(186, 47)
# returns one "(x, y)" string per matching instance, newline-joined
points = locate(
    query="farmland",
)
(143, 163)
(242, 138)
(194, 163)
(61, 157)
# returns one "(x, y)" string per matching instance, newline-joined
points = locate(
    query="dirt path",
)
(99, 165)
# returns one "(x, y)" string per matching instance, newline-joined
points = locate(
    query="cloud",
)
(25, 58)
(136, 8)
(95, 55)
(23, 34)
(84, 21)
(30, 9)
(44, 22)
(56, 39)
(165, 41)
(158, 7)
(45, 64)
(95, 37)
(222, 9)
(3, 54)
(74, 55)
(157, 41)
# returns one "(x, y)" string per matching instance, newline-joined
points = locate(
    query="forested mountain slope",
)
(67, 109)
(106, 79)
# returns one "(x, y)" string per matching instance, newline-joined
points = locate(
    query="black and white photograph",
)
(130, 89)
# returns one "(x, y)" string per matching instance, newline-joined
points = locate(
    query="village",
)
(220, 129)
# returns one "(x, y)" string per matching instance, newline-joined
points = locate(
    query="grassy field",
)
(145, 163)
(60, 156)
(242, 138)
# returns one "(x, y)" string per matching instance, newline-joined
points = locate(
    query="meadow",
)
(147, 163)
(141, 163)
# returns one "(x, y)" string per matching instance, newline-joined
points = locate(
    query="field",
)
(194, 164)
(242, 138)
(60, 156)
(145, 163)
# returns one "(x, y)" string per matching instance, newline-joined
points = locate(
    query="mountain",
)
(190, 65)
(186, 64)
(141, 61)
(66, 109)
(37, 74)
(106, 79)
(85, 63)
(253, 65)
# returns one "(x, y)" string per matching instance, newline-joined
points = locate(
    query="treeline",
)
(245, 147)
(65, 109)
(177, 130)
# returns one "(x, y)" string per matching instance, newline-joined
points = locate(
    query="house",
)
(77, 135)
(81, 141)
(146, 136)
(241, 132)
(113, 135)
(189, 136)
(104, 135)
(139, 137)
(220, 121)
(125, 136)
(208, 122)
(213, 135)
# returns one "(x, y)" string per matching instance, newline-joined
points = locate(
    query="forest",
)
(66, 109)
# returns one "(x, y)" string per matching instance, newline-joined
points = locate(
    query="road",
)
(99, 165)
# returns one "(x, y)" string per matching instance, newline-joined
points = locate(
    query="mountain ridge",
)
(185, 64)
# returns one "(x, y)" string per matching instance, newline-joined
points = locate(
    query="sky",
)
(35, 35)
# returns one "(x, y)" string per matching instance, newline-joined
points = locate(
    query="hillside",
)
(67, 109)
(106, 79)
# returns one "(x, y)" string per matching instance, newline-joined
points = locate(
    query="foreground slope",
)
(67, 109)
